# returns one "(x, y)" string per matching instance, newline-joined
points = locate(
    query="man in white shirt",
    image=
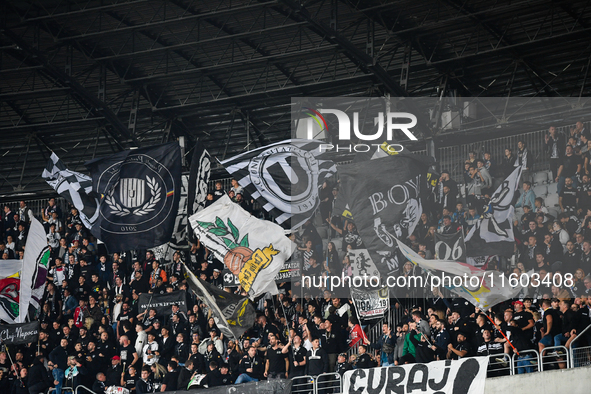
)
(150, 351)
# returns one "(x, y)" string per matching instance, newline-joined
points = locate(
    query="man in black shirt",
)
(250, 368)
(143, 385)
(571, 259)
(317, 359)
(461, 349)
(342, 364)
(332, 343)
(364, 360)
(568, 197)
(524, 320)
(552, 325)
(571, 165)
(297, 356)
(277, 363)
(170, 382)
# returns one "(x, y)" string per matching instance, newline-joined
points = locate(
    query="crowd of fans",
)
(93, 334)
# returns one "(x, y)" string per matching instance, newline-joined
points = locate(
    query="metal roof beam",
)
(90, 99)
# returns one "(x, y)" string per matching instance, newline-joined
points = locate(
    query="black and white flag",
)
(450, 246)
(385, 196)
(493, 233)
(233, 314)
(371, 303)
(198, 180)
(75, 187)
(284, 178)
(140, 191)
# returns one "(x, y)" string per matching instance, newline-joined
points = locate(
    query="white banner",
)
(371, 303)
(253, 249)
(464, 376)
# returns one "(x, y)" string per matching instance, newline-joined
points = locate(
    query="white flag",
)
(490, 288)
(253, 249)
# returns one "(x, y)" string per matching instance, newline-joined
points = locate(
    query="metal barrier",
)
(500, 365)
(86, 389)
(554, 352)
(528, 361)
(580, 357)
(302, 385)
(328, 383)
(574, 353)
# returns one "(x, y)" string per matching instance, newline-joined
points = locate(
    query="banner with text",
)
(466, 376)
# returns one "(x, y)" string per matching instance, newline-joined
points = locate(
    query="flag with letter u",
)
(284, 178)
(139, 196)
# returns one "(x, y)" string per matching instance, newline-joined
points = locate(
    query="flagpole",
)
(501, 331)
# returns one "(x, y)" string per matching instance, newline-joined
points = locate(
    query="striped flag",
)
(74, 187)
(284, 178)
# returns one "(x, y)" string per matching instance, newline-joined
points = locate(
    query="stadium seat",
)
(552, 188)
(341, 255)
(541, 178)
(323, 231)
(550, 179)
(324, 244)
(338, 243)
(551, 200)
(317, 220)
(541, 190)
(554, 211)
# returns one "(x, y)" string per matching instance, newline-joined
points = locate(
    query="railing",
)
(528, 362)
(302, 385)
(580, 356)
(555, 353)
(328, 383)
(500, 365)
(86, 389)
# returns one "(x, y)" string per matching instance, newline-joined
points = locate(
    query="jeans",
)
(523, 362)
(244, 378)
(560, 340)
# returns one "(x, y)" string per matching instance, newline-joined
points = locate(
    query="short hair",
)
(528, 183)
(213, 364)
(172, 364)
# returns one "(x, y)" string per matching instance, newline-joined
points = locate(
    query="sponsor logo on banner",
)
(163, 302)
(465, 376)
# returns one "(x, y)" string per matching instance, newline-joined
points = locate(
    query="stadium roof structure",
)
(86, 78)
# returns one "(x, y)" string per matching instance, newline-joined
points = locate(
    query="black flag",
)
(450, 246)
(385, 196)
(233, 314)
(139, 191)
(16, 334)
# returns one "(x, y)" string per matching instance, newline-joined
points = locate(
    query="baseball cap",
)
(216, 270)
(517, 302)
(116, 358)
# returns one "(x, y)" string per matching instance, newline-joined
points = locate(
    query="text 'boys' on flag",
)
(254, 250)
(385, 197)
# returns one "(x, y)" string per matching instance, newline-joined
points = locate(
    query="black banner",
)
(385, 196)
(140, 191)
(16, 334)
(163, 302)
(450, 247)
